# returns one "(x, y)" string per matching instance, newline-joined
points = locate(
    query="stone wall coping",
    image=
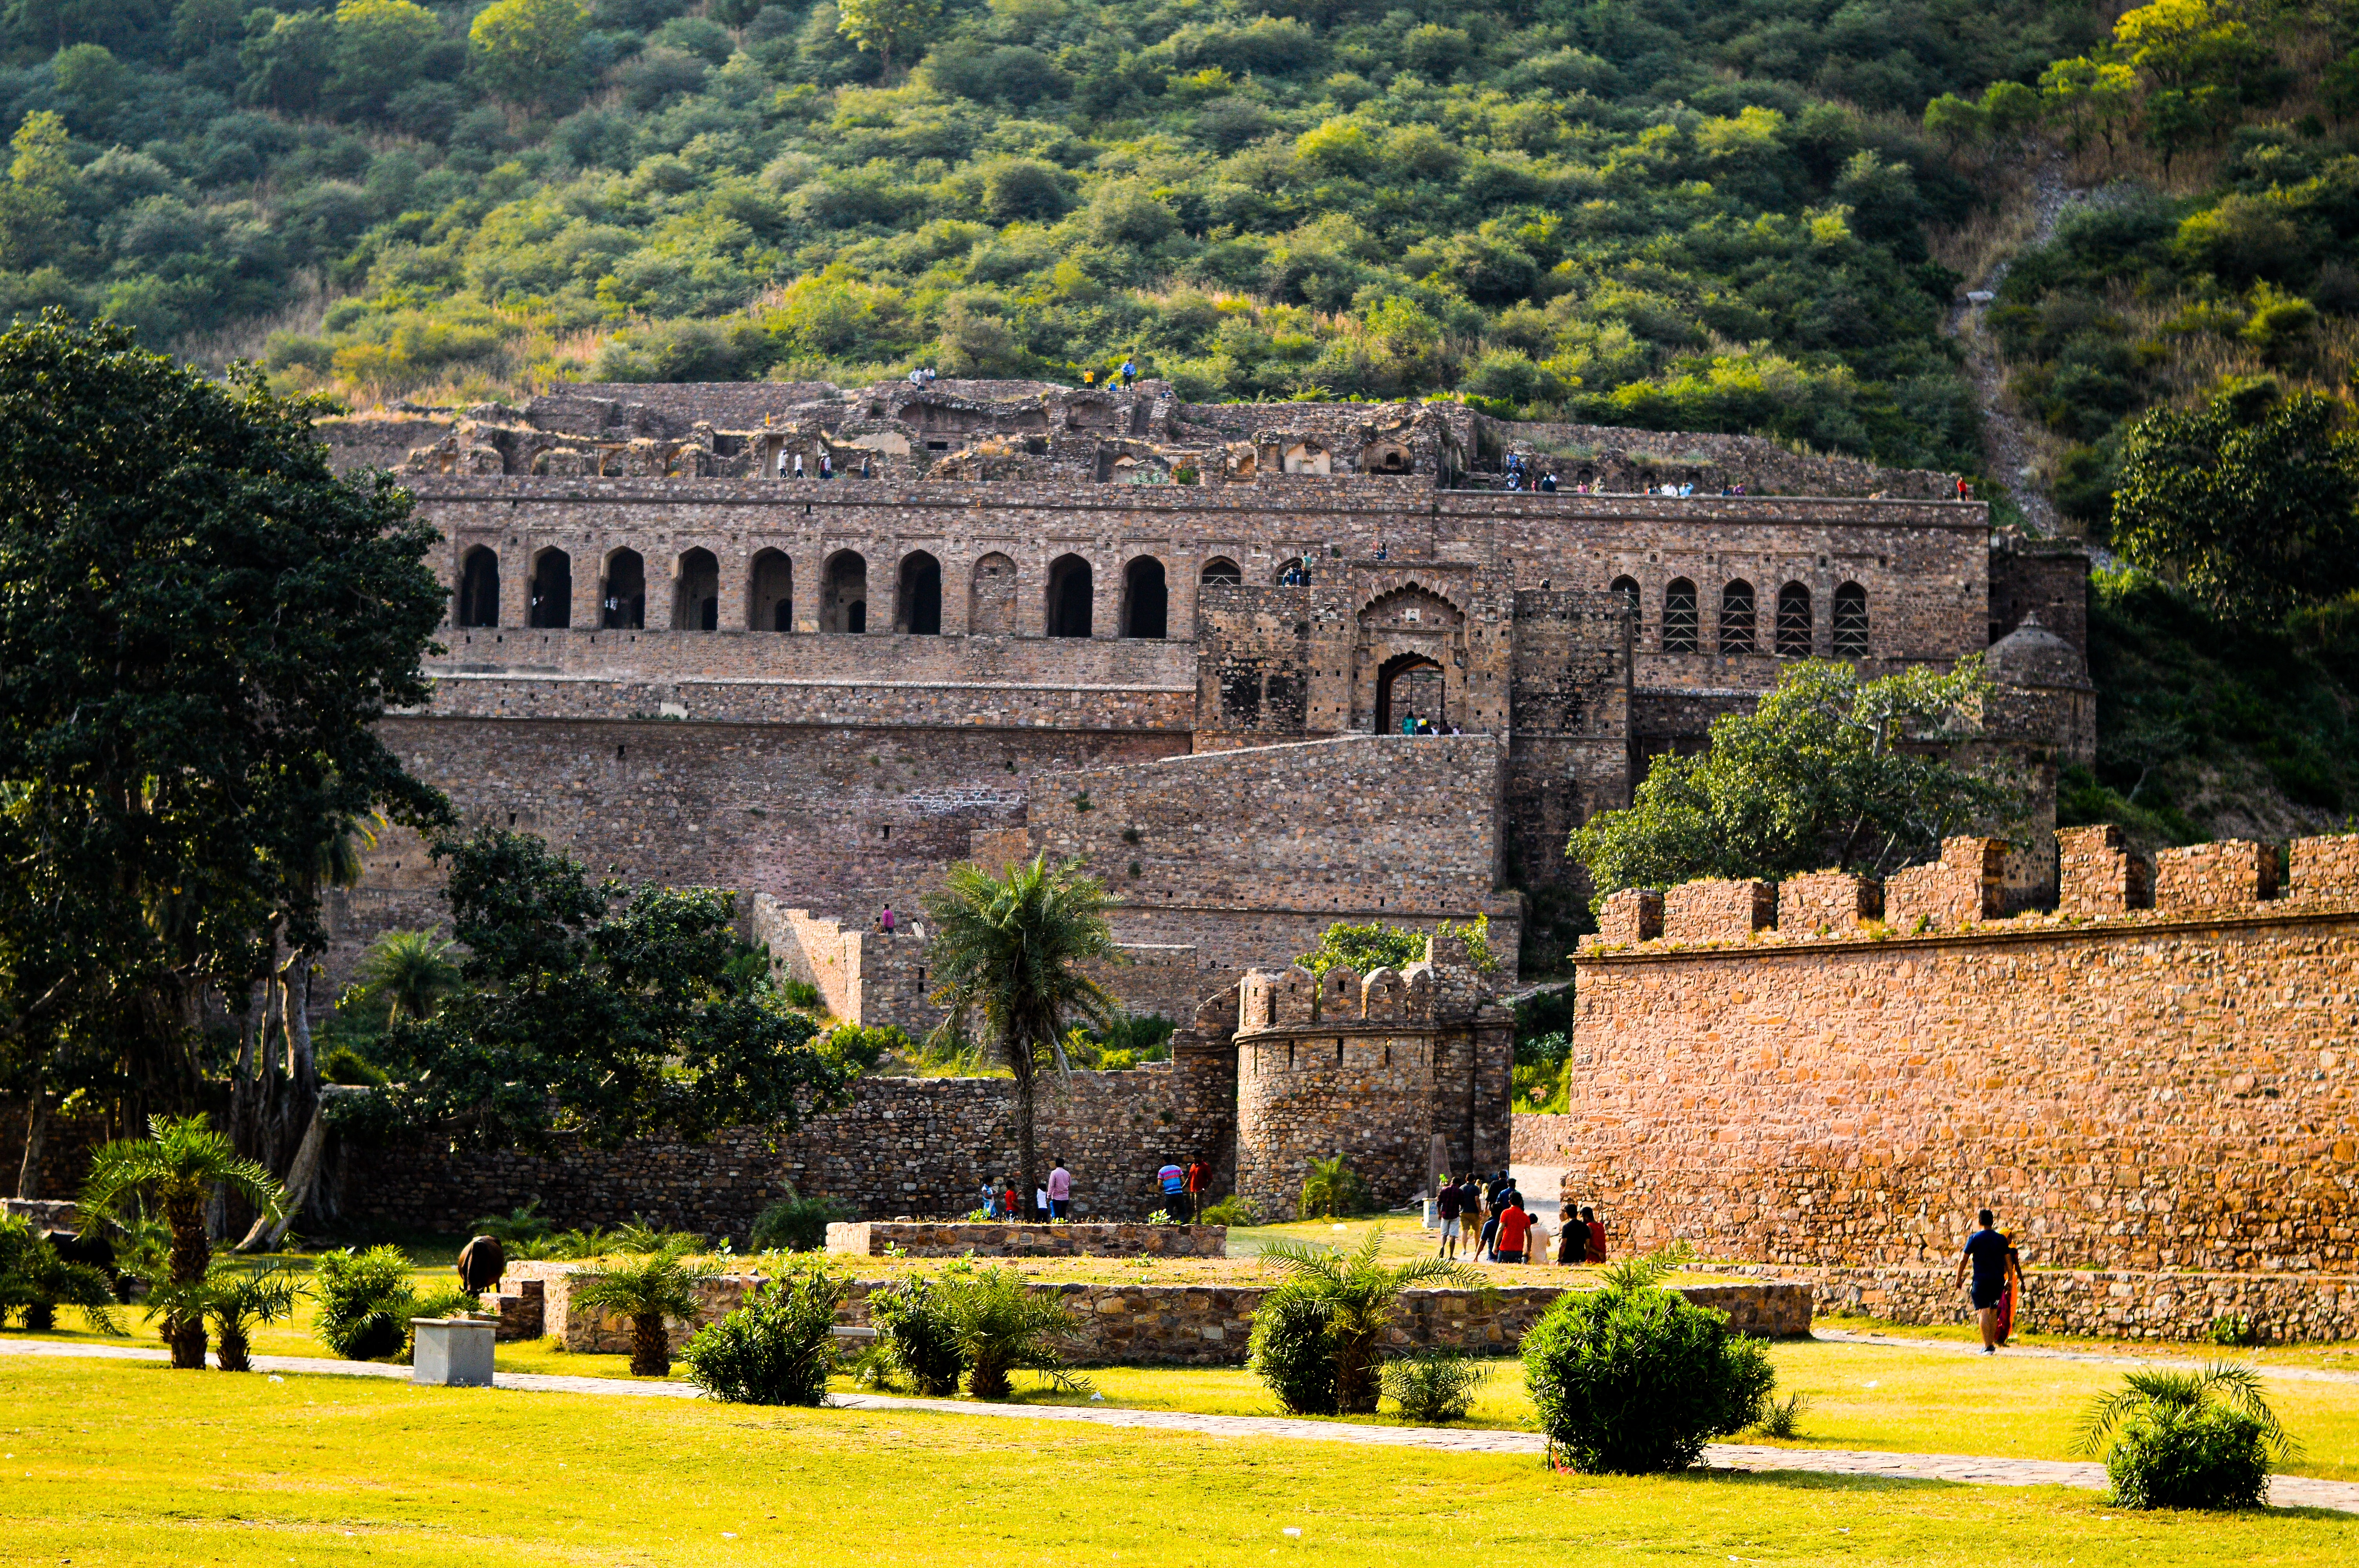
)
(2021, 929)
(538, 678)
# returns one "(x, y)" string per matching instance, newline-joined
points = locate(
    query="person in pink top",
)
(1060, 1191)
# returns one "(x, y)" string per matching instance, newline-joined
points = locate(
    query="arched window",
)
(1070, 592)
(991, 602)
(770, 593)
(1793, 622)
(1851, 621)
(553, 591)
(1220, 569)
(696, 594)
(625, 606)
(1736, 619)
(1627, 587)
(1145, 601)
(479, 589)
(918, 606)
(844, 604)
(1680, 617)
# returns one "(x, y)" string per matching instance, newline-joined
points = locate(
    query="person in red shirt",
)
(1195, 1192)
(1596, 1236)
(1515, 1227)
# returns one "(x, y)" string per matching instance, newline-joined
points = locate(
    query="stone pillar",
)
(1633, 914)
(2095, 875)
(1967, 885)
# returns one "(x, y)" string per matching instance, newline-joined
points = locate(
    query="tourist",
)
(1196, 1176)
(1964, 490)
(1040, 1204)
(1061, 1192)
(1987, 1251)
(1007, 1209)
(1548, 481)
(1175, 1190)
(1596, 1252)
(1090, 377)
(863, 465)
(1380, 550)
(885, 922)
(827, 465)
(1514, 1228)
(1446, 1205)
(798, 465)
(1408, 722)
(1129, 373)
(990, 1205)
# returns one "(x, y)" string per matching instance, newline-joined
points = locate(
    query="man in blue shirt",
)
(1988, 1252)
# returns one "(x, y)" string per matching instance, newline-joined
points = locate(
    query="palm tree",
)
(1330, 1189)
(2199, 1439)
(1001, 1324)
(237, 1299)
(177, 1165)
(1359, 1296)
(660, 1285)
(410, 971)
(1011, 948)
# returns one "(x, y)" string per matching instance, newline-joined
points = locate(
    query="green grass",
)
(118, 1465)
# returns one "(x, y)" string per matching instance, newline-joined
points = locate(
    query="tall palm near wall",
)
(1008, 952)
(408, 973)
(177, 1165)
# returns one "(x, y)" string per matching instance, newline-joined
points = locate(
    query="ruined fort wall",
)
(2166, 1091)
(921, 1147)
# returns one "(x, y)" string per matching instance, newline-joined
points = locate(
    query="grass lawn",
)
(127, 1463)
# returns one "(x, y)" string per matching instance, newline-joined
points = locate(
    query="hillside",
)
(1704, 217)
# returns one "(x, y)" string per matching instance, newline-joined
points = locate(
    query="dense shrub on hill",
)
(1649, 212)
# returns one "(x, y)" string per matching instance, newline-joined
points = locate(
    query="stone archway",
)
(1409, 634)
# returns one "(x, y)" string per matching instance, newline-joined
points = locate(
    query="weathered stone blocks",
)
(1966, 885)
(920, 1239)
(1827, 902)
(2096, 876)
(2203, 878)
(1633, 914)
(2326, 870)
(1718, 910)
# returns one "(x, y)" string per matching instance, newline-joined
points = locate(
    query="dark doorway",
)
(1070, 592)
(1411, 684)
(479, 589)
(917, 608)
(625, 606)
(553, 591)
(772, 594)
(1145, 601)
(696, 602)
(845, 605)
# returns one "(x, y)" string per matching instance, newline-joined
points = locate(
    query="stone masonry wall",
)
(906, 1146)
(2148, 1091)
(1198, 1324)
(872, 1238)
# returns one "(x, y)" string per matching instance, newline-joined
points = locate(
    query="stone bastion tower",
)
(1377, 1069)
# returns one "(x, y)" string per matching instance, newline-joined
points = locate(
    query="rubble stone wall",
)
(872, 1238)
(2154, 1090)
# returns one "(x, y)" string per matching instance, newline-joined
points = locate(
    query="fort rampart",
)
(2164, 1089)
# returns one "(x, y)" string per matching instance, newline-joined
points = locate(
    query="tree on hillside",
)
(525, 49)
(2251, 502)
(202, 627)
(1007, 952)
(881, 25)
(1829, 770)
(609, 1011)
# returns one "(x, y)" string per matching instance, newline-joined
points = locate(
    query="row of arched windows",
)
(843, 597)
(1791, 629)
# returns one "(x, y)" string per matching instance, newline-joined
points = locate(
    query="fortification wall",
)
(919, 1147)
(2166, 1090)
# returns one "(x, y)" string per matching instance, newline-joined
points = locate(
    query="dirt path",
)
(2007, 439)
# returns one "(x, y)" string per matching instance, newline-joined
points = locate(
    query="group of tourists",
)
(1502, 1230)
(1183, 1191)
(827, 466)
(1052, 1199)
(1129, 373)
(1415, 723)
(1523, 474)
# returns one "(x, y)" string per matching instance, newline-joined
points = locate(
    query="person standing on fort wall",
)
(1988, 1252)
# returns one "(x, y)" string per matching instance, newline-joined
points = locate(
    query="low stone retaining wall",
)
(920, 1239)
(2097, 1303)
(46, 1214)
(1186, 1324)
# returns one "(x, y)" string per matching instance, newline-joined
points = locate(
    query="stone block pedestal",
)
(453, 1352)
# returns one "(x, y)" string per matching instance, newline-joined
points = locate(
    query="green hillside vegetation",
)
(1636, 210)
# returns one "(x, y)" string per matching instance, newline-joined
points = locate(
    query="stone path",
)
(2098, 1358)
(2285, 1491)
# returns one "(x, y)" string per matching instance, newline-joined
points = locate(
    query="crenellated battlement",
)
(2099, 881)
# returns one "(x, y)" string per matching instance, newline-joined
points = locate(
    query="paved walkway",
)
(2286, 1491)
(2095, 1358)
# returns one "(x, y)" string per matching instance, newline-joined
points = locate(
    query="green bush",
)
(917, 1336)
(1433, 1385)
(1635, 1379)
(365, 1300)
(35, 1282)
(1332, 1188)
(2187, 1440)
(1293, 1353)
(1003, 1326)
(777, 1350)
(795, 1223)
(1230, 1210)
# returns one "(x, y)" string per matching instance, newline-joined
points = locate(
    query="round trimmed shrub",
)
(2210, 1457)
(1637, 1380)
(776, 1349)
(365, 1301)
(1294, 1351)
